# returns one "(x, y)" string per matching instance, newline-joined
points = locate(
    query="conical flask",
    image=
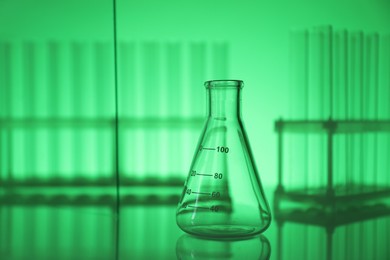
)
(223, 196)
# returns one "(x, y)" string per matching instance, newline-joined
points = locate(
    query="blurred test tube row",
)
(162, 91)
(57, 110)
(343, 75)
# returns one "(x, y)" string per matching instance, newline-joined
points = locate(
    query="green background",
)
(57, 106)
(57, 62)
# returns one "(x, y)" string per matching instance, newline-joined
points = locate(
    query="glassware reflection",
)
(190, 247)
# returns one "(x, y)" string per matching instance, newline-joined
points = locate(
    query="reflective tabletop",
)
(90, 224)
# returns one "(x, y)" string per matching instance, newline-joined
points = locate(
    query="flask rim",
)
(224, 83)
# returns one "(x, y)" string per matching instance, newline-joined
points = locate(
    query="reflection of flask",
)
(189, 247)
(223, 196)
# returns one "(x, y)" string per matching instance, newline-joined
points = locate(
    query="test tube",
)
(340, 83)
(347, 104)
(373, 109)
(91, 93)
(90, 96)
(386, 84)
(77, 84)
(104, 109)
(174, 84)
(369, 102)
(53, 104)
(16, 112)
(355, 95)
(345, 82)
(383, 108)
(315, 104)
(326, 88)
(129, 105)
(297, 173)
(313, 101)
(5, 114)
(152, 74)
(29, 89)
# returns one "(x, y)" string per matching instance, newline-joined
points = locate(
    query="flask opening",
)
(221, 83)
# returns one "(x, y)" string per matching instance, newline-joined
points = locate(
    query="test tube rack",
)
(330, 205)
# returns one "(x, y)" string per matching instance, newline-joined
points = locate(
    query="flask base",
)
(223, 231)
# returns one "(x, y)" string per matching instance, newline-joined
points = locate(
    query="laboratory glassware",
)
(223, 195)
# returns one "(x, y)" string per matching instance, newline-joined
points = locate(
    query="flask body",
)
(223, 196)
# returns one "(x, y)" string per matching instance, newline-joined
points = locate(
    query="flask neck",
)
(224, 103)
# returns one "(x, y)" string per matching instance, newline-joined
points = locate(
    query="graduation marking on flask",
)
(219, 149)
(214, 194)
(217, 175)
(213, 208)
